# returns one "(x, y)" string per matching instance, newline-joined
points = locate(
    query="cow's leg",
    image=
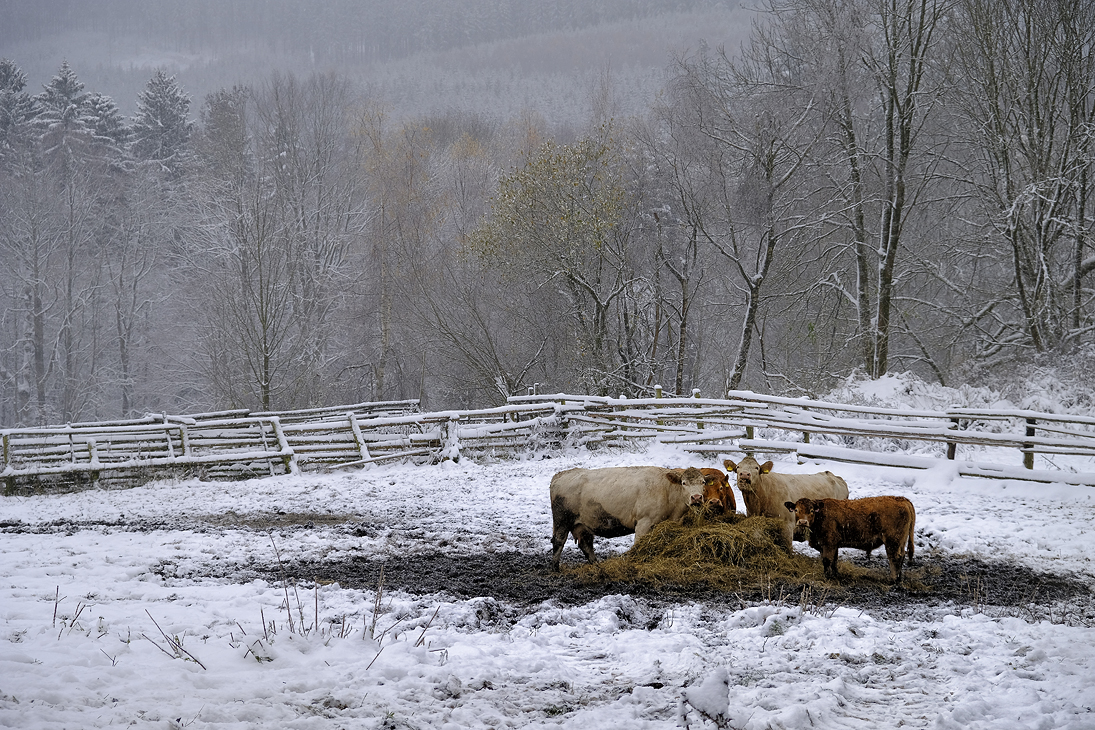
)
(584, 537)
(788, 534)
(895, 554)
(828, 563)
(642, 527)
(558, 539)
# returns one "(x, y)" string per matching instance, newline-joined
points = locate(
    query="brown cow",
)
(863, 524)
(616, 501)
(717, 493)
(765, 491)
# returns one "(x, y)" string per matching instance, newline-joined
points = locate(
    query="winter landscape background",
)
(274, 205)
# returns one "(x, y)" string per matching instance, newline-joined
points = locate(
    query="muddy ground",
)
(523, 580)
(520, 581)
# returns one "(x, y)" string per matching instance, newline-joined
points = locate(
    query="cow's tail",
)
(911, 550)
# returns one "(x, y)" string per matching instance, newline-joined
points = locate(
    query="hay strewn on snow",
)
(732, 553)
(729, 553)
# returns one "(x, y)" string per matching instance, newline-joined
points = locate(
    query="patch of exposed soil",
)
(527, 580)
(261, 521)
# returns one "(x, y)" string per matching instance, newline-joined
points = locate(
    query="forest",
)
(855, 188)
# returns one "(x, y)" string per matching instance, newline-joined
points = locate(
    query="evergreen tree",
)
(17, 108)
(161, 129)
(108, 125)
(64, 121)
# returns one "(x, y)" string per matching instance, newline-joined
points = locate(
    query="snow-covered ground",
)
(88, 621)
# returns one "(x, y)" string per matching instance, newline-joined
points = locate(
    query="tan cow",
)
(863, 524)
(616, 501)
(765, 491)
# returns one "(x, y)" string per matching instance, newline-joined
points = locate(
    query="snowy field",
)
(102, 623)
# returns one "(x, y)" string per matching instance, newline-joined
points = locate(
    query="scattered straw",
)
(729, 553)
(735, 553)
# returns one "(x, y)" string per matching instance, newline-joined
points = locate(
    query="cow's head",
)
(806, 511)
(691, 480)
(748, 471)
(715, 486)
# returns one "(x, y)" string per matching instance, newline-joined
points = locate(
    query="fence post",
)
(184, 437)
(696, 394)
(167, 438)
(1028, 456)
(450, 439)
(290, 458)
(9, 483)
(362, 447)
(952, 446)
(266, 447)
(93, 460)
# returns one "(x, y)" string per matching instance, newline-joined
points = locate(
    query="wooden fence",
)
(234, 444)
(978, 442)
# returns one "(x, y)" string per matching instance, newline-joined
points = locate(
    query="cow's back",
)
(621, 491)
(773, 490)
(867, 522)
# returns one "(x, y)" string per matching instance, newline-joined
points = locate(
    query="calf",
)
(617, 501)
(863, 524)
(764, 491)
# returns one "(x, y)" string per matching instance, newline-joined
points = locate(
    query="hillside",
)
(417, 62)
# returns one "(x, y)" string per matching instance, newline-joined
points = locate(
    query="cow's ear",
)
(674, 475)
(766, 467)
(731, 466)
(790, 506)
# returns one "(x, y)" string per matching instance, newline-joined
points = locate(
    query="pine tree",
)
(64, 122)
(108, 125)
(161, 129)
(17, 107)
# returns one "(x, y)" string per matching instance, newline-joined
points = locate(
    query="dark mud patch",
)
(526, 580)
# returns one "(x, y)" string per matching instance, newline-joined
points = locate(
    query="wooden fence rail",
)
(852, 433)
(234, 444)
(87, 453)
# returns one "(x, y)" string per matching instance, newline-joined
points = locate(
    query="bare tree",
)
(753, 213)
(1028, 67)
(281, 212)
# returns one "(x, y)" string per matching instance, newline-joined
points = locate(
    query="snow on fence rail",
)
(230, 444)
(88, 453)
(862, 434)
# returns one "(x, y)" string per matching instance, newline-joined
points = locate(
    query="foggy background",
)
(273, 205)
(421, 56)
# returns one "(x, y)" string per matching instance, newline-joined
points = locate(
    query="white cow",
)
(616, 501)
(765, 492)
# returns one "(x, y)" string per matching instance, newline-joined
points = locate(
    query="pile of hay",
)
(730, 553)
